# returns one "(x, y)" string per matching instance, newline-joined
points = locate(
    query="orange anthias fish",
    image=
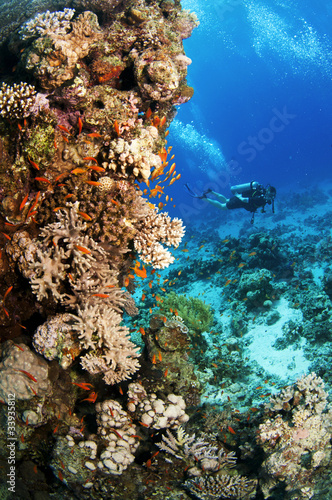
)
(92, 397)
(163, 155)
(116, 127)
(31, 377)
(141, 273)
(84, 385)
(80, 125)
(82, 249)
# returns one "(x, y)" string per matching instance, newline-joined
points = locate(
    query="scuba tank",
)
(242, 188)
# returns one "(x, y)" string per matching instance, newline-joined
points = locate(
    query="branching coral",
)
(155, 229)
(17, 101)
(47, 23)
(222, 486)
(209, 467)
(94, 296)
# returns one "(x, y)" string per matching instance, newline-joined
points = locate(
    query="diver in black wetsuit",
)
(249, 196)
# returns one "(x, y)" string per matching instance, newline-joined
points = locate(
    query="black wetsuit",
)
(256, 197)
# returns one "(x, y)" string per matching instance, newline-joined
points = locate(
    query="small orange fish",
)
(19, 347)
(84, 215)
(59, 176)
(101, 295)
(84, 385)
(64, 129)
(25, 199)
(143, 296)
(96, 168)
(93, 183)
(154, 359)
(90, 158)
(82, 249)
(166, 372)
(42, 179)
(141, 330)
(252, 254)
(156, 121)
(7, 292)
(34, 164)
(78, 171)
(80, 125)
(92, 397)
(94, 134)
(31, 377)
(116, 127)
(228, 282)
(160, 356)
(115, 202)
(70, 195)
(141, 273)
(60, 476)
(126, 282)
(242, 264)
(162, 121)
(166, 133)
(148, 113)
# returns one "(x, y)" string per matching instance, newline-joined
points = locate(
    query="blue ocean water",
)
(261, 71)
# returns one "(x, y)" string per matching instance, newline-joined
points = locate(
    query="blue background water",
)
(252, 61)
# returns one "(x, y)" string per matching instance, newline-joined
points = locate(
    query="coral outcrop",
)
(296, 441)
(22, 372)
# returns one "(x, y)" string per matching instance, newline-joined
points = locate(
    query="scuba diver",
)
(249, 196)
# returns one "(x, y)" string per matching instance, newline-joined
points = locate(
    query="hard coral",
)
(53, 57)
(17, 101)
(296, 442)
(47, 23)
(135, 159)
(22, 372)
(155, 229)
